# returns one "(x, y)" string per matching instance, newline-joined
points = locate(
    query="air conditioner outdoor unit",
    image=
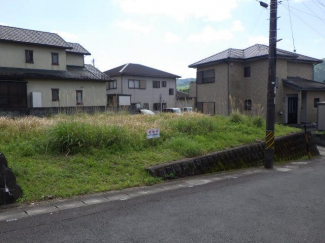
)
(36, 99)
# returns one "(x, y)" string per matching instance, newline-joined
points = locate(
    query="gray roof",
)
(252, 52)
(87, 73)
(77, 48)
(303, 84)
(139, 70)
(18, 35)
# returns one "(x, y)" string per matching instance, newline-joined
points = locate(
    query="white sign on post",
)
(153, 133)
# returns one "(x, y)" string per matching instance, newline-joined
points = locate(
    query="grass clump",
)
(78, 137)
(62, 156)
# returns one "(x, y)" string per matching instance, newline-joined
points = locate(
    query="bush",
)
(236, 118)
(258, 121)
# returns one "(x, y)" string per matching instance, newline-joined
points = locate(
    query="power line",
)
(257, 21)
(303, 12)
(312, 12)
(318, 3)
(307, 24)
(293, 39)
(321, 3)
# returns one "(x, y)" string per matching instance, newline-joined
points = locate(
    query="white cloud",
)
(3, 24)
(258, 40)
(237, 26)
(170, 38)
(135, 26)
(209, 34)
(216, 10)
(66, 35)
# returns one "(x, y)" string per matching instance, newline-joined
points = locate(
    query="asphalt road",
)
(271, 206)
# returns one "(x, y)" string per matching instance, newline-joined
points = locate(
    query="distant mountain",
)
(183, 84)
(319, 72)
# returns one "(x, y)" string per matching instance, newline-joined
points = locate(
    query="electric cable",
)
(313, 12)
(303, 12)
(293, 39)
(307, 24)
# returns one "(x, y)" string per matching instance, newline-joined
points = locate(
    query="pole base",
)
(269, 158)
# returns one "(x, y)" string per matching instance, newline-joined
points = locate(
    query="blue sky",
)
(170, 34)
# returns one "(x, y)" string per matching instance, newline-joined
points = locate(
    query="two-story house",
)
(41, 70)
(141, 86)
(236, 79)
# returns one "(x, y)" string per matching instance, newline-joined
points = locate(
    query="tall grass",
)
(68, 155)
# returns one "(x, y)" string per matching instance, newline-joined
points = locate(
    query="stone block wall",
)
(288, 147)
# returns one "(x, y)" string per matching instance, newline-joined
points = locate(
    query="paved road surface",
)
(283, 205)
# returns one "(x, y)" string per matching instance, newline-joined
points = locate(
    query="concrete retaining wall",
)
(288, 147)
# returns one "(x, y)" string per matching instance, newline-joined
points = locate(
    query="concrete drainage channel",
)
(11, 213)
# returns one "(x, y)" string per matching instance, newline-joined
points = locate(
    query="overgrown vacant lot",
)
(64, 156)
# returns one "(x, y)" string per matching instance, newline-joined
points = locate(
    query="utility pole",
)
(270, 112)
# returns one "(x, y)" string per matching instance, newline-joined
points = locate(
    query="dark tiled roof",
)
(303, 84)
(182, 95)
(139, 70)
(77, 48)
(255, 51)
(13, 34)
(72, 73)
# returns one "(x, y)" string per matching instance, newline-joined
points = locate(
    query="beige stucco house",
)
(41, 70)
(141, 87)
(236, 79)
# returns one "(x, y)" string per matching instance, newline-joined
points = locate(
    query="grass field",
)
(63, 156)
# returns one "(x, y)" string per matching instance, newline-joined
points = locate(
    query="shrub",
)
(236, 118)
(258, 121)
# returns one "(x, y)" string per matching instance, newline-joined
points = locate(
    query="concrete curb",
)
(13, 213)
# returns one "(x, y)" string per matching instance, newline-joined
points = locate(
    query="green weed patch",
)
(63, 156)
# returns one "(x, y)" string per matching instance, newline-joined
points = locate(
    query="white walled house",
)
(41, 70)
(141, 86)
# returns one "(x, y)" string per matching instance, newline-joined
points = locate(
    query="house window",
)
(143, 84)
(156, 106)
(55, 95)
(29, 56)
(247, 71)
(79, 97)
(163, 84)
(248, 105)
(111, 85)
(156, 84)
(134, 84)
(207, 76)
(171, 91)
(55, 58)
(316, 100)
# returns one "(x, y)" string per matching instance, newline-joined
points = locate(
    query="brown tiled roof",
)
(19, 35)
(77, 48)
(303, 84)
(88, 72)
(132, 69)
(182, 95)
(255, 51)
